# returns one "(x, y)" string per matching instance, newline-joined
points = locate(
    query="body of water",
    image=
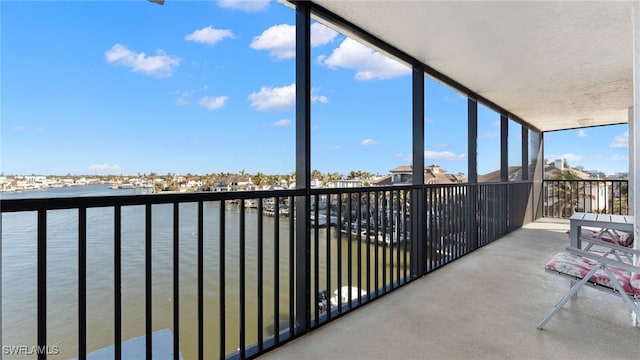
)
(19, 272)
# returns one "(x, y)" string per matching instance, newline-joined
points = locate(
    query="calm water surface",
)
(19, 280)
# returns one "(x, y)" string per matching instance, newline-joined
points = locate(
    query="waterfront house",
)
(433, 174)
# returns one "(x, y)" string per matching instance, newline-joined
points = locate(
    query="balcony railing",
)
(222, 270)
(564, 197)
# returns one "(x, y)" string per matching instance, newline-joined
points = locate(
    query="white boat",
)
(322, 220)
(344, 296)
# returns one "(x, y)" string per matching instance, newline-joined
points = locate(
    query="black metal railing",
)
(564, 197)
(227, 261)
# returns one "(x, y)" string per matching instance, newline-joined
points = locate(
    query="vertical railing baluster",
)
(222, 287)
(349, 253)
(200, 290)
(276, 270)
(390, 245)
(404, 232)
(176, 281)
(450, 218)
(148, 289)
(117, 279)
(359, 249)
(242, 271)
(339, 260)
(368, 253)
(260, 276)
(42, 281)
(316, 260)
(82, 283)
(292, 289)
(384, 239)
(397, 239)
(388, 207)
(328, 240)
(428, 238)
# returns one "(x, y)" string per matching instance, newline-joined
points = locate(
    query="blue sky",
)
(126, 87)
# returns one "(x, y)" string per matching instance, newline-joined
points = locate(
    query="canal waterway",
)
(19, 275)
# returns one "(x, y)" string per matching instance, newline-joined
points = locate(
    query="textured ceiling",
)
(556, 65)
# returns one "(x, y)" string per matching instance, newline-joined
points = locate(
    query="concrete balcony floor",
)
(483, 306)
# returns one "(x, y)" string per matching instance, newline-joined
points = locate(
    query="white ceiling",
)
(556, 64)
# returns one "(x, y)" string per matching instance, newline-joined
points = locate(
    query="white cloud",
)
(368, 142)
(571, 157)
(443, 155)
(209, 35)
(489, 135)
(321, 35)
(337, 148)
(582, 133)
(183, 97)
(280, 40)
(321, 99)
(620, 141)
(282, 123)
(211, 102)
(245, 5)
(276, 98)
(105, 168)
(619, 158)
(369, 64)
(160, 65)
(22, 128)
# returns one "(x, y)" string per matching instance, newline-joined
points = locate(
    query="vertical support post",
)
(525, 153)
(472, 149)
(504, 213)
(303, 165)
(418, 215)
(472, 138)
(524, 165)
(538, 176)
(504, 147)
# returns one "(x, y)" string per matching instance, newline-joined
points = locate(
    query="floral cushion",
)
(635, 278)
(578, 267)
(609, 235)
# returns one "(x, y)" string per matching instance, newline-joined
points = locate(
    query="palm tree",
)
(568, 194)
(259, 178)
